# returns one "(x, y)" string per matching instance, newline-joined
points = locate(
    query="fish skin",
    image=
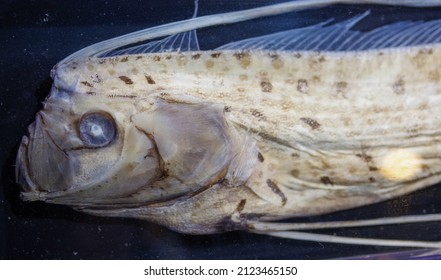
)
(322, 127)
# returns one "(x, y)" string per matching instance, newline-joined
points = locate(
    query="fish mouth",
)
(36, 162)
(29, 190)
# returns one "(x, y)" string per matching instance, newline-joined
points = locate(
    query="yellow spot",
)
(277, 63)
(400, 165)
(209, 64)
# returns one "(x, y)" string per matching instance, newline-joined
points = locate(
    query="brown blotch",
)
(96, 78)
(326, 180)
(244, 58)
(371, 179)
(227, 109)
(364, 157)
(156, 58)
(182, 60)
(434, 76)
(241, 205)
(311, 122)
(266, 86)
(87, 84)
(341, 87)
(276, 190)
(216, 54)
(260, 157)
(126, 80)
(90, 93)
(168, 57)
(276, 62)
(295, 173)
(121, 96)
(196, 56)
(139, 57)
(209, 64)
(257, 114)
(124, 59)
(302, 86)
(149, 79)
(373, 168)
(243, 77)
(398, 86)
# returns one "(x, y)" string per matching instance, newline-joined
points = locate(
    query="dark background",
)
(35, 35)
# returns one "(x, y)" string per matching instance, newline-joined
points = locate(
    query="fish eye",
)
(97, 129)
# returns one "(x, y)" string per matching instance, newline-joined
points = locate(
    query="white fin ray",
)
(291, 231)
(297, 235)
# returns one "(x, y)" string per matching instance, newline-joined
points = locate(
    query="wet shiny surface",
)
(36, 35)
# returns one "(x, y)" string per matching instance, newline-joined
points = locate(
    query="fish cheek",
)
(192, 140)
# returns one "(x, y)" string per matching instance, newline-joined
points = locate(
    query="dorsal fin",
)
(341, 37)
(175, 28)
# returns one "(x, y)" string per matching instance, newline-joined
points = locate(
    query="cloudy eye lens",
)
(97, 129)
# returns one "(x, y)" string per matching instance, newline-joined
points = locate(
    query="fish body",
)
(206, 141)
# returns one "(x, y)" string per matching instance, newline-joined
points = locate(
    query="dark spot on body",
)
(196, 56)
(311, 122)
(168, 57)
(156, 58)
(273, 186)
(341, 87)
(227, 109)
(121, 96)
(398, 86)
(266, 86)
(244, 58)
(126, 80)
(371, 179)
(124, 59)
(149, 79)
(260, 157)
(96, 78)
(241, 205)
(425, 51)
(139, 57)
(302, 86)
(216, 54)
(373, 168)
(326, 180)
(295, 173)
(87, 84)
(257, 114)
(365, 157)
(90, 93)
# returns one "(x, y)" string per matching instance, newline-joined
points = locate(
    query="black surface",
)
(35, 35)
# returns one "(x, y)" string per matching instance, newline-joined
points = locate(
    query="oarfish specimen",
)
(296, 123)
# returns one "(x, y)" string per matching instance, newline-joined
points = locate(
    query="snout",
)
(41, 167)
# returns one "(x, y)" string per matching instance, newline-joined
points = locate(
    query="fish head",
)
(82, 149)
(87, 149)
